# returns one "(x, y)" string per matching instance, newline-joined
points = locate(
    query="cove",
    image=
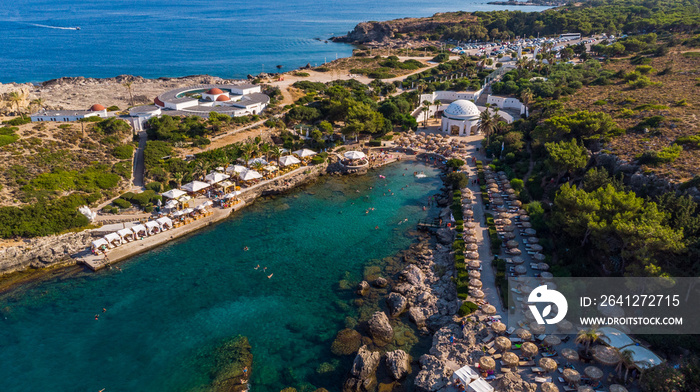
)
(166, 307)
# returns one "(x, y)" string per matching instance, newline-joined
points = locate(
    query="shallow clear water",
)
(230, 38)
(169, 304)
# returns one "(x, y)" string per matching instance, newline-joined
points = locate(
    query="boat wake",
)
(53, 27)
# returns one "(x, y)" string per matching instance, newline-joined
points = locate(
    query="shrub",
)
(375, 143)
(467, 308)
(455, 163)
(17, 121)
(8, 136)
(154, 186)
(654, 158)
(113, 108)
(441, 58)
(123, 152)
(121, 203)
(457, 180)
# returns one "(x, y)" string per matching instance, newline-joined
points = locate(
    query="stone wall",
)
(44, 252)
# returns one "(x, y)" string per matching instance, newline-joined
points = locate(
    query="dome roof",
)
(215, 91)
(97, 107)
(222, 98)
(462, 109)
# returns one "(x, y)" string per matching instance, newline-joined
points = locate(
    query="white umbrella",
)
(249, 175)
(236, 169)
(304, 153)
(289, 160)
(354, 155)
(270, 168)
(232, 195)
(171, 204)
(174, 194)
(195, 186)
(215, 177)
(257, 160)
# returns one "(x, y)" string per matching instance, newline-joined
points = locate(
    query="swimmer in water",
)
(366, 211)
(265, 269)
(376, 227)
(245, 248)
(269, 276)
(257, 266)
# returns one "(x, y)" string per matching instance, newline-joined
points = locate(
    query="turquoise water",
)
(166, 305)
(230, 38)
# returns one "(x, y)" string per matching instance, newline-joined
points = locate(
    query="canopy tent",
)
(289, 160)
(271, 168)
(126, 234)
(642, 357)
(98, 243)
(140, 230)
(304, 153)
(354, 155)
(249, 175)
(165, 223)
(170, 204)
(114, 239)
(466, 374)
(213, 178)
(479, 385)
(153, 227)
(195, 186)
(236, 169)
(204, 205)
(174, 194)
(614, 337)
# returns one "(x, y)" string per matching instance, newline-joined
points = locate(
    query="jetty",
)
(428, 224)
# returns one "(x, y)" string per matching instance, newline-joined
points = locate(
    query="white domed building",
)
(461, 118)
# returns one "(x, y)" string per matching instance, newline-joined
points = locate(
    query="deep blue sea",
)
(227, 38)
(167, 307)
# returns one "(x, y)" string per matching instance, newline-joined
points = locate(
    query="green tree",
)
(566, 157)
(16, 99)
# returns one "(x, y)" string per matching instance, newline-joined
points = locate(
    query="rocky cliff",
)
(43, 252)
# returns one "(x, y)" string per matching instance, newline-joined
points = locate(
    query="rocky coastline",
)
(418, 291)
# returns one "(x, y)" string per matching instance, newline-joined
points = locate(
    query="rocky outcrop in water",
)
(346, 342)
(380, 329)
(232, 363)
(363, 288)
(398, 363)
(363, 373)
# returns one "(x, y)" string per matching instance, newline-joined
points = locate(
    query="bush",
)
(113, 108)
(455, 163)
(125, 151)
(17, 121)
(457, 180)
(441, 58)
(467, 308)
(121, 203)
(154, 186)
(8, 136)
(375, 143)
(41, 219)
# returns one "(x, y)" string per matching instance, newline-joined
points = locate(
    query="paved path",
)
(139, 167)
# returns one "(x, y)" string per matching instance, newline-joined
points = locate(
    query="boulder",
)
(363, 288)
(380, 282)
(444, 236)
(397, 304)
(346, 342)
(363, 372)
(433, 376)
(398, 363)
(413, 275)
(512, 382)
(380, 329)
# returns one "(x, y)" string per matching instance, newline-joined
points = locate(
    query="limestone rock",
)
(434, 374)
(444, 236)
(413, 275)
(380, 282)
(398, 363)
(380, 329)
(363, 288)
(363, 372)
(512, 382)
(397, 304)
